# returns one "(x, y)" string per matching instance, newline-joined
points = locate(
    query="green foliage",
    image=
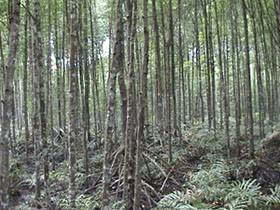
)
(119, 205)
(177, 200)
(211, 189)
(60, 175)
(246, 192)
(212, 182)
(15, 170)
(274, 198)
(63, 202)
(239, 195)
(83, 202)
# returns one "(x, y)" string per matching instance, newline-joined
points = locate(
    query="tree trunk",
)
(200, 102)
(25, 80)
(207, 57)
(129, 169)
(159, 94)
(142, 107)
(172, 67)
(7, 105)
(116, 64)
(39, 69)
(259, 73)
(87, 136)
(236, 82)
(73, 102)
(248, 82)
(181, 66)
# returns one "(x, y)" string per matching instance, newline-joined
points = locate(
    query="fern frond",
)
(176, 200)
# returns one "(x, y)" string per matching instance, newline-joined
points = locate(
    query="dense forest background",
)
(151, 104)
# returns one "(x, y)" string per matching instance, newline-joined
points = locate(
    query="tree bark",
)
(172, 66)
(116, 64)
(25, 80)
(159, 94)
(130, 143)
(73, 102)
(7, 105)
(39, 69)
(248, 82)
(142, 106)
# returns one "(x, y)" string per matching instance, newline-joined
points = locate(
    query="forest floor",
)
(199, 175)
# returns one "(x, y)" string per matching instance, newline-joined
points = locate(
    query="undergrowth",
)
(209, 180)
(219, 183)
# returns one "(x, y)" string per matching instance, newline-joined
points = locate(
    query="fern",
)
(237, 204)
(246, 192)
(212, 182)
(274, 198)
(176, 200)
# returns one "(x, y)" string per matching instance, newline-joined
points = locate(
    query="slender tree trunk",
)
(73, 101)
(200, 102)
(191, 87)
(238, 63)
(259, 74)
(39, 68)
(142, 106)
(49, 110)
(122, 86)
(93, 75)
(226, 92)
(87, 90)
(223, 79)
(25, 81)
(248, 81)
(2, 77)
(267, 66)
(274, 66)
(7, 105)
(35, 110)
(58, 68)
(129, 169)
(213, 76)
(172, 67)
(159, 94)
(167, 109)
(181, 65)
(276, 71)
(13, 127)
(116, 64)
(2, 59)
(64, 73)
(207, 57)
(235, 69)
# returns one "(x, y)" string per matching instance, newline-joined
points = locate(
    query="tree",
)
(129, 169)
(40, 88)
(172, 67)
(248, 81)
(26, 123)
(142, 107)
(73, 115)
(115, 66)
(159, 91)
(7, 104)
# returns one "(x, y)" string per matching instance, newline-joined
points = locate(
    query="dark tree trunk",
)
(73, 71)
(7, 105)
(248, 82)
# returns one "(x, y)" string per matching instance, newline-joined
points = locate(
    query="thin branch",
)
(28, 11)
